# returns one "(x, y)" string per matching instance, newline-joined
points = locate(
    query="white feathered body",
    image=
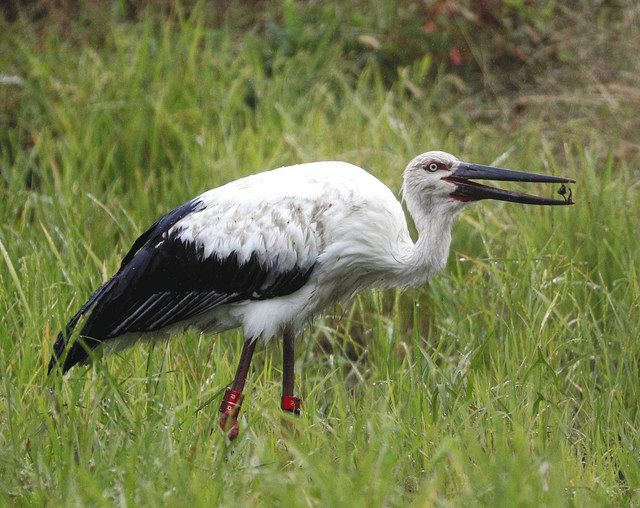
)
(270, 251)
(266, 253)
(332, 216)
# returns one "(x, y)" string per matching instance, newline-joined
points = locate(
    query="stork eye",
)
(432, 167)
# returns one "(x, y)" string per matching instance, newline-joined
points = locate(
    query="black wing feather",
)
(162, 281)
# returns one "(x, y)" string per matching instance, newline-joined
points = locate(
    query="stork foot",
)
(291, 404)
(230, 408)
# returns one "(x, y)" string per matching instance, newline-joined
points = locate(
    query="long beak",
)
(467, 190)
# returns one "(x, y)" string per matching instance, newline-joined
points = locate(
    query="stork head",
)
(439, 182)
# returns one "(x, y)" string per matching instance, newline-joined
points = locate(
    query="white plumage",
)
(333, 215)
(270, 251)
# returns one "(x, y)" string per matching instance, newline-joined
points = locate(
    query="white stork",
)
(270, 251)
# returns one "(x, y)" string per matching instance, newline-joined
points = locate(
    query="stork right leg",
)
(289, 402)
(232, 401)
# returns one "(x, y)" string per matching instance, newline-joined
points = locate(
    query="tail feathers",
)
(78, 351)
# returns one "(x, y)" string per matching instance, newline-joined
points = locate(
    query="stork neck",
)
(429, 254)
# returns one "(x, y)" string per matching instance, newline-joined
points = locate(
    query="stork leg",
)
(232, 401)
(288, 402)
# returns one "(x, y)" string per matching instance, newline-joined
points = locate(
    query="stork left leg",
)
(288, 402)
(232, 401)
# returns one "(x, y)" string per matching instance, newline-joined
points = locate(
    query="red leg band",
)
(290, 403)
(231, 402)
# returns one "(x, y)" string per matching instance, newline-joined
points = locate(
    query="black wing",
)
(162, 281)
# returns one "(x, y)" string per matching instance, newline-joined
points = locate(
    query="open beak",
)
(468, 190)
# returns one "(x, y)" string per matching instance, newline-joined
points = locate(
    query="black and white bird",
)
(270, 251)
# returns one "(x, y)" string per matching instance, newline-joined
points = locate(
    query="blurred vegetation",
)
(504, 62)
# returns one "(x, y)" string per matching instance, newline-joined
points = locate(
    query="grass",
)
(511, 379)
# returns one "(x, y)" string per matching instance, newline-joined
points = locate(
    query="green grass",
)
(511, 379)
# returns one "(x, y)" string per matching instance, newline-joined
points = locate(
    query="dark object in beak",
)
(467, 190)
